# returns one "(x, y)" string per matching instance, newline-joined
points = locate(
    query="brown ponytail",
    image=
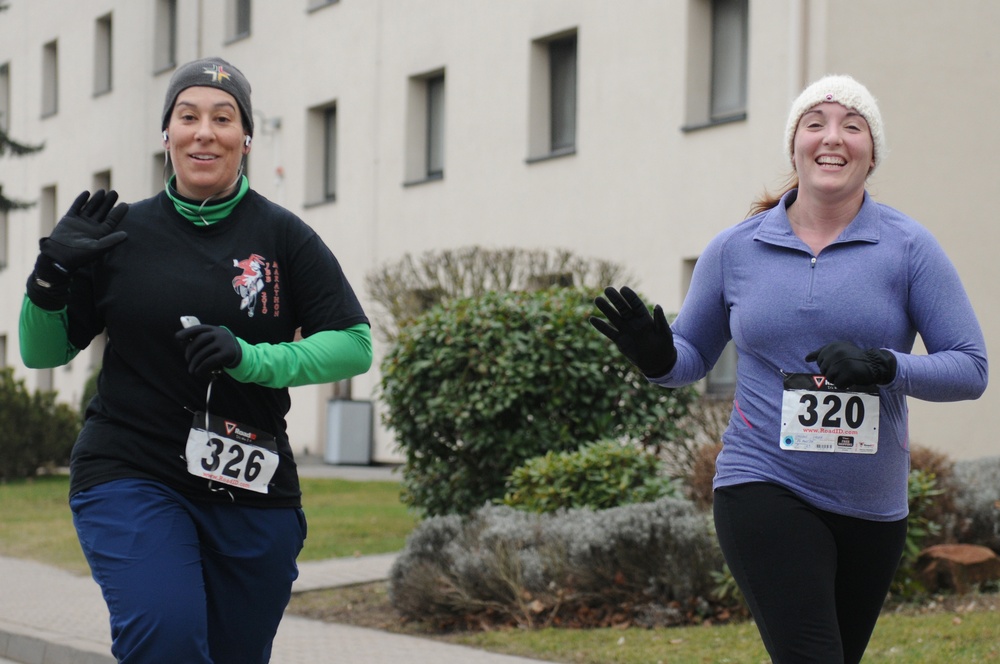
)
(767, 200)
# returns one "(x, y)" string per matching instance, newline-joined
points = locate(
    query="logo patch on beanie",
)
(218, 73)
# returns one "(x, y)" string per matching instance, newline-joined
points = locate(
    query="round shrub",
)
(477, 386)
(649, 563)
(598, 475)
(977, 501)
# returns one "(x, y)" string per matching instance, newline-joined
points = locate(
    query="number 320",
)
(854, 411)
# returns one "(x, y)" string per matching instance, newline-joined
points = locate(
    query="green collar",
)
(202, 214)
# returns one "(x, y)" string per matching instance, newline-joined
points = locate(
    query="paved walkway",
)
(50, 616)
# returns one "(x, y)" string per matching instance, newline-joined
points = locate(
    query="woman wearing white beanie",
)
(823, 292)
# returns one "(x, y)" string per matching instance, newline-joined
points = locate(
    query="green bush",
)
(475, 387)
(598, 475)
(38, 433)
(922, 492)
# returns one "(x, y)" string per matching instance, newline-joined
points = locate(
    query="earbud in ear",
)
(165, 136)
(246, 140)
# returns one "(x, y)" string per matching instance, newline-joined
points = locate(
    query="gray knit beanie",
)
(848, 93)
(210, 73)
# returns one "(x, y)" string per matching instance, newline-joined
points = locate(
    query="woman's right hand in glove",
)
(85, 232)
(646, 340)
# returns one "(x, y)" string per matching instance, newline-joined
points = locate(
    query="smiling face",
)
(833, 151)
(206, 142)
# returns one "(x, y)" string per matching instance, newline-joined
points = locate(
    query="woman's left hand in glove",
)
(209, 349)
(844, 364)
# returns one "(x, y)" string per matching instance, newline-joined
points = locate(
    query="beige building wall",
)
(641, 188)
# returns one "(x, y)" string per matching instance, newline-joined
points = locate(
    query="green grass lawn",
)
(35, 523)
(350, 518)
(345, 518)
(914, 639)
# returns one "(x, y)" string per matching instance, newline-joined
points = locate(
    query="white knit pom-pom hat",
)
(848, 93)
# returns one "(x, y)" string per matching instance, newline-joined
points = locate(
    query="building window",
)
(3, 239)
(553, 97)
(425, 127)
(341, 390)
(165, 37)
(717, 49)
(321, 154)
(5, 97)
(330, 153)
(435, 126)
(721, 379)
(562, 67)
(101, 180)
(317, 4)
(729, 59)
(50, 78)
(102, 55)
(47, 211)
(238, 19)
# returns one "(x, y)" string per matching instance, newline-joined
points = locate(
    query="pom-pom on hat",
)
(210, 73)
(848, 93)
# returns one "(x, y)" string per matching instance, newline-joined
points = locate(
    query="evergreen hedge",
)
(475, 387)
(38, 433)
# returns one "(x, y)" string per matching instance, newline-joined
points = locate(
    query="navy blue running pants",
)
(187, 581)
(815, 581)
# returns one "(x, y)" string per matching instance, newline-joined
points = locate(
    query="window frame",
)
(553, 96)
(5, 96)
(103, 55)
(239, 20)
(563, 107)
(707, 75)
(435, 133)
(730, 19)
(318, 175)
(165, 36)
(4, 238)
(50, 78)
(314, 5)
(425, 122)
(330, 147)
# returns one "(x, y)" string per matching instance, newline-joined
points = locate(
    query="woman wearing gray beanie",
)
(823, 292)
(183, 486)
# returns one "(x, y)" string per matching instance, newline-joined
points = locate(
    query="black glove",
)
(844, 364)
(645, 340)
(209, 349)
(85, 232)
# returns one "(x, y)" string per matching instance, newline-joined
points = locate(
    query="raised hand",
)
(85, 232)
(646, 340)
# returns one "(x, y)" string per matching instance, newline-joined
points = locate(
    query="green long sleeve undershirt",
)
(324, 357)
(43, 339)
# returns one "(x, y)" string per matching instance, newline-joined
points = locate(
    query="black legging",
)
(815, 581)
